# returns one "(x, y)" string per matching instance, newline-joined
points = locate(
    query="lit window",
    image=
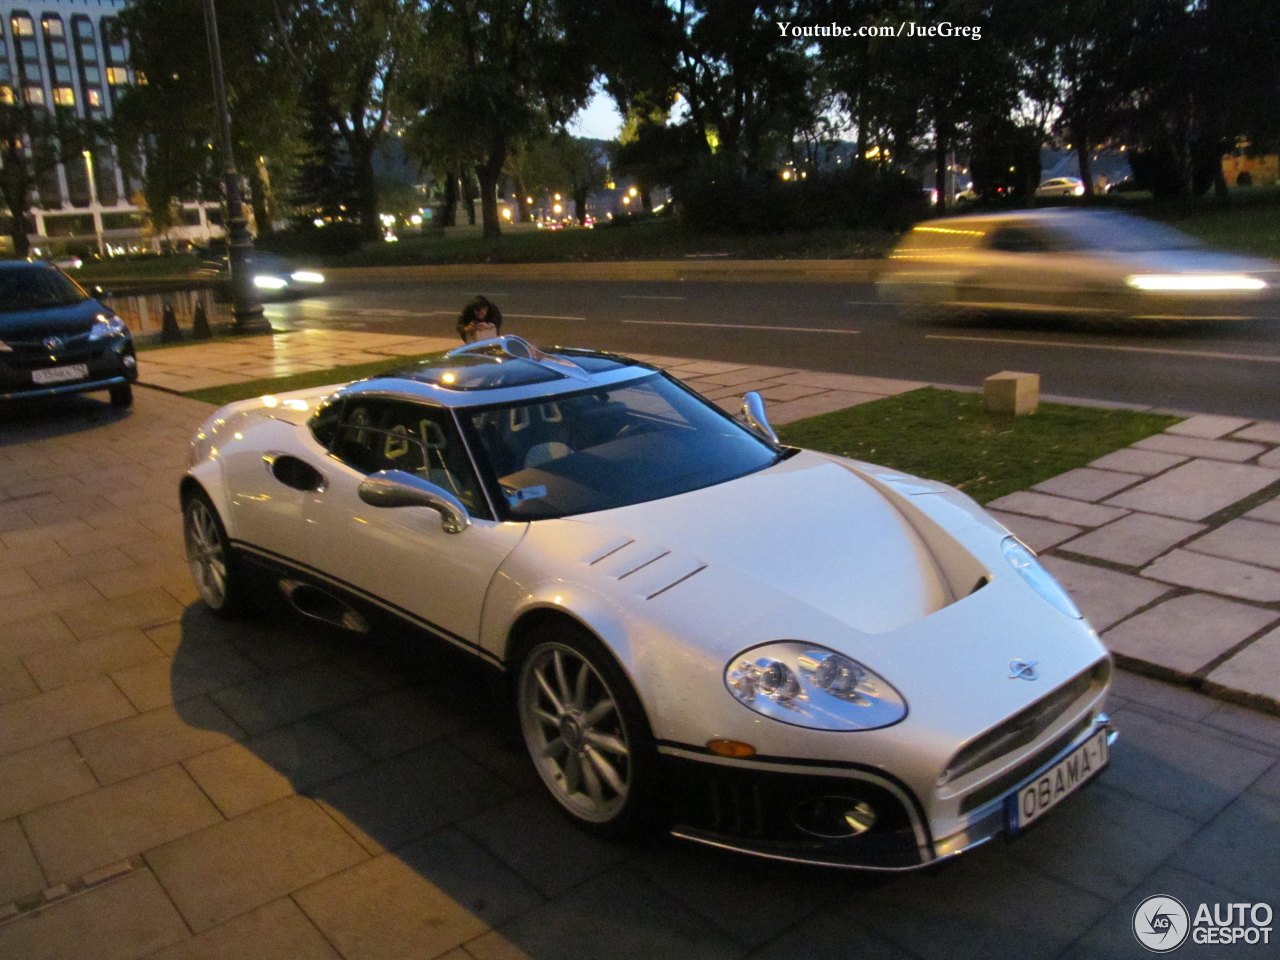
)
(52, 26)
(64, 96)
(24, 27)
(34, 95)
(117, 76)
(6, 95)
(94, 96)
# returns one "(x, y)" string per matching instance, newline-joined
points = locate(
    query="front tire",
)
(214, 565)
(586, 732)
(121, 394)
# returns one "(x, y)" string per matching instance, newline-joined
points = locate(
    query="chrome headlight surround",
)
(1040, 580)
(806, 685)
(107, 325)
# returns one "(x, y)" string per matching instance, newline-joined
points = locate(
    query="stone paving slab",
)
(1215, 575)
(1230, 450)
(1037, 533)
(1207, 427)
(1134, 539)
(1187, 633)
(1087, 483)
(1243, 539)
(1269, 511)
(1059, 509)
(1252, 671)
(1104, 596)
(1197, 489)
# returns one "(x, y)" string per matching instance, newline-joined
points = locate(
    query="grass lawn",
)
(949, 436)
(941, 434)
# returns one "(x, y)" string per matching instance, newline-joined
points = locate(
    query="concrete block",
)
(1011, 392)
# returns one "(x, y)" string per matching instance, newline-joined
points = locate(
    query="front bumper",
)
(771, 809)
(107, 363)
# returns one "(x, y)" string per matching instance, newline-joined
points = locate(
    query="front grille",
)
(989, 791)
(1024, 727)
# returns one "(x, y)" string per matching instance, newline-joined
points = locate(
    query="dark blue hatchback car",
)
(56, 338)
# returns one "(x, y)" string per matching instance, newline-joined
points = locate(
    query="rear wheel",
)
(586, 731)
(121, 394)
(214, 565)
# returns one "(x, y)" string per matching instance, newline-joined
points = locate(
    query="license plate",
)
(72, 371)
(1058, 782)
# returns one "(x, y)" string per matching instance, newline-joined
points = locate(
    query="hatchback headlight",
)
(1195, 282)
(107, 325)
(811, 686)
(1040, 579)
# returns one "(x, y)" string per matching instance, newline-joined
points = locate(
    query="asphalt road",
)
(1224, 368)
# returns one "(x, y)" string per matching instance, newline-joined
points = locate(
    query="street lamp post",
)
(94, 210)
(244, 303)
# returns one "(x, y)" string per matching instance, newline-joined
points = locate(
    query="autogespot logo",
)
(1161, 923)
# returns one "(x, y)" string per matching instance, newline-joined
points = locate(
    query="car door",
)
(403, 556)
(1024, 268)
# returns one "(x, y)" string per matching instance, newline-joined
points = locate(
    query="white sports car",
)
(775, 651)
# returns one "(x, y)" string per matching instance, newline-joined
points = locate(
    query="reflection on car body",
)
(776, 651)
(1074, 262)
(55, 338)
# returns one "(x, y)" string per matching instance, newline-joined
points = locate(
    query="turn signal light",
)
(731, 748)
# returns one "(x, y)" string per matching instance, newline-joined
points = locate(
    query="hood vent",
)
(647, 571)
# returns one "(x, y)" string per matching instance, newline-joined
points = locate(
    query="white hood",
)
(874, 572)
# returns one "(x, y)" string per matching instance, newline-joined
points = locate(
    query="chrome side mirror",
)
(753, 413)
(399, 488)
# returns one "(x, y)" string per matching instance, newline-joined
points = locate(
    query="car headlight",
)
(107, 325)
(1194, 283)
(811, 686)
(1040, 579)
(267, 281)
(306, 276)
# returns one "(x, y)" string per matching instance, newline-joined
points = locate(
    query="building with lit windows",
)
(72, 55)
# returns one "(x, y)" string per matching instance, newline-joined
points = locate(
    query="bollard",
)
(200, 323)
(1011, 392)
(169, 332)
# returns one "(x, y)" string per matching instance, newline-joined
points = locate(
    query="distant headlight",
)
(107, 325)
(1040, 579)
(1193, 283)
(266, 281)
(811, 686)
(306, 276)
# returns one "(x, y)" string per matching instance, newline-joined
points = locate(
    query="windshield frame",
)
(491, 478)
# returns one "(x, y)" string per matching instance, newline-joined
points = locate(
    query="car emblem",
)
(53, 344)
(1023, 670)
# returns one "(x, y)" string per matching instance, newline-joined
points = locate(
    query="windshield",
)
(610, 447)
(35, 286)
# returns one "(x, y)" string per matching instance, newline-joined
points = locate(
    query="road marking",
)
(540, 316)
(740, 326)
(1198, 354)
(629, 296)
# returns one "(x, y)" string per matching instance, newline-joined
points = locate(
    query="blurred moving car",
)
(1079, 262)
(56, 338)
(1061, 187)
(779, 651)
(274, 277)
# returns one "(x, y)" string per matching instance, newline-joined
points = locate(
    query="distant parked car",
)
(1078, 262)
(57, 338)
(274, 277)
(1061, 187)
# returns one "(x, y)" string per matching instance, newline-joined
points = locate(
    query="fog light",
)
(834, 818)
(130, 362)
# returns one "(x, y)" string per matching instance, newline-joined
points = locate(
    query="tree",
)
(33, 142)
(498, 73)
(354, 54)
(166, 128)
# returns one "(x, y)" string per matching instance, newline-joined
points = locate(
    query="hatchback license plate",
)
(72, 371)
(1058, 782)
